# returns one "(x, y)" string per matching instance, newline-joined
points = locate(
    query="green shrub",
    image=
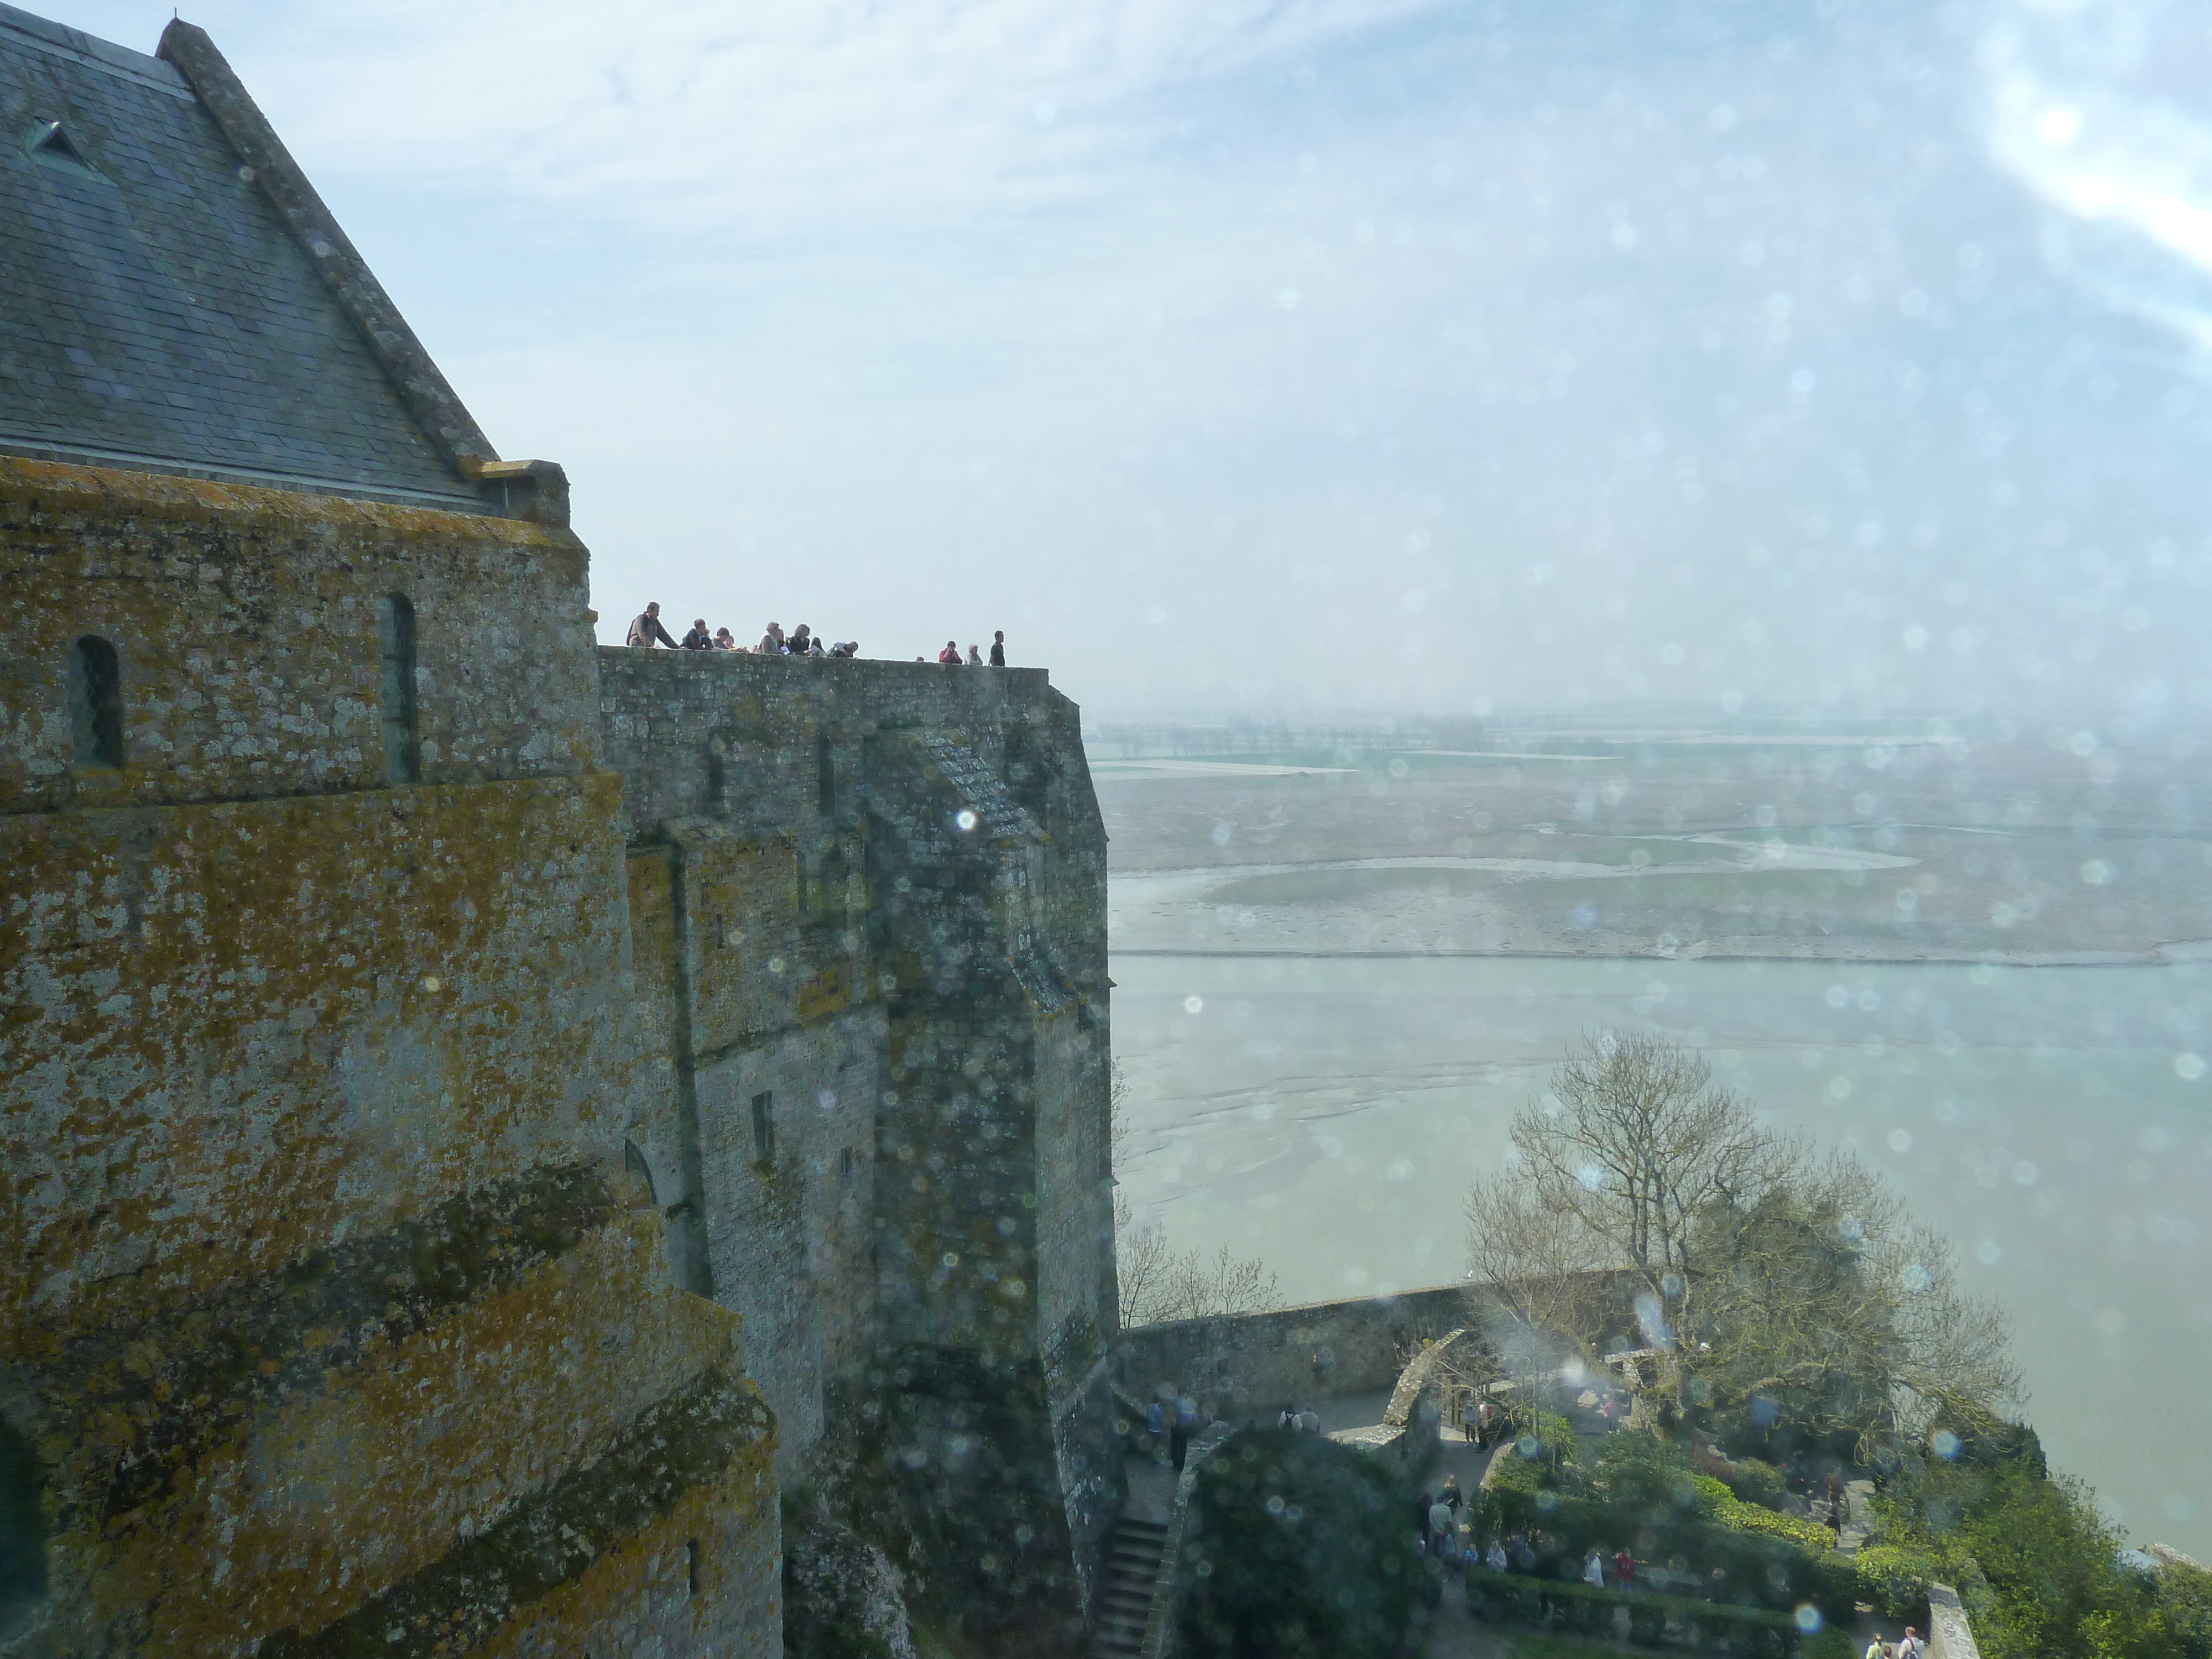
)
(1713, 1495)
(1749, 1518)
(2184, 1594)
(1298, 1548)
(1894, 1579)
(1754, 1482)
(1653, 1620)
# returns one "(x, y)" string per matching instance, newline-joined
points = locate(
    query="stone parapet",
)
(1258, 1363)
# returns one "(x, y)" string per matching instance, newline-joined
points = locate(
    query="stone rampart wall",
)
(1261, 1362)
(876, 891)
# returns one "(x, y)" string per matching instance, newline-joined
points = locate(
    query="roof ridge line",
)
(421, 387)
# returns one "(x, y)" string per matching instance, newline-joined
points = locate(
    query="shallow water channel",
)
(1326, 1112)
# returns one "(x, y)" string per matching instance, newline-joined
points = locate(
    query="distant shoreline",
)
(2085, 959)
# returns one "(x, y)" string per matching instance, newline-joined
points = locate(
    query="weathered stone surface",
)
(245, 622)
(1316, 1351)
(325, 1291)
(884, 990)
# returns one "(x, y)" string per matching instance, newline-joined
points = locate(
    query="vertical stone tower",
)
(333, 1318)
(868, 902)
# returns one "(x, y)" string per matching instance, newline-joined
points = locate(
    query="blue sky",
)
(1245, 357)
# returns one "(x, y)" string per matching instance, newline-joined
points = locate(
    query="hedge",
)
(1895, 1580)
(1654, 1619)
(1739, 1516)
(1776, 1569)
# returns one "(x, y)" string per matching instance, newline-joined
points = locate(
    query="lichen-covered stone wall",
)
(333, 1315)
(444, 1187)
(245, 626)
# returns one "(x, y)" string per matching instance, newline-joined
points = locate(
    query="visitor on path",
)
(1495, 1559)
(951, 655)
(1909, 1646)
(998, 649)
(1487, 1423)
(1289, 1417)
(1450, 1495)
(1440, 1522)
(1186, 1421)
(646, 629)
(1836, 1499)
(1524, 1554)
(1716, 1586)
(698, 639)
(771, 643)
(1594, 1569)
(1310, 1421)
(1624, 1569)
(1470, 1415)
(1879, 1649)
(1155, 1425)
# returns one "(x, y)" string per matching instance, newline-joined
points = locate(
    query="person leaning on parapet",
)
(724, 641)
(648, 628)
(951, 655)
(998, 649)
(698, 639)
(974, 657)
(801, 642)
(771, 643)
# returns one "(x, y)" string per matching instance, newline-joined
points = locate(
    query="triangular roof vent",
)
(50, 143)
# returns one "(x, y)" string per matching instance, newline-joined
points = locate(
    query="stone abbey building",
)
(483, 1117)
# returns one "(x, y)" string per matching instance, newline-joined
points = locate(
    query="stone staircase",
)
(1132, 1571)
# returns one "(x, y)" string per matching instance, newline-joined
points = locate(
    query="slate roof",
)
(158, 307)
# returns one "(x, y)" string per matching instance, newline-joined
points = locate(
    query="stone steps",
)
(1125, 1602)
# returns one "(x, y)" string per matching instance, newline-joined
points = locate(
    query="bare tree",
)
(1539, 1263)
(1759, 1270)
(1823, 1297)
(1612, 1171)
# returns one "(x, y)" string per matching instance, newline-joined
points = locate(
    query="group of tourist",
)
(952, 658)
(648, 631)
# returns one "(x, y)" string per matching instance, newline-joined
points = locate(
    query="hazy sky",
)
(1251, 354)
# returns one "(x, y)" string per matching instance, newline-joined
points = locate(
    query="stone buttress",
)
(877, 892)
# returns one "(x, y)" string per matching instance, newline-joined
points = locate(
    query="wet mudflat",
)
(1324, 1104)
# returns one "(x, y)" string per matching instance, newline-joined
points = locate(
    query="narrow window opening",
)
(844, 1162)
(825, 767)
(22, 1534)
(691, 1564)
(764, 1127)
(634, 1161)
(403, 754)
(95, 687)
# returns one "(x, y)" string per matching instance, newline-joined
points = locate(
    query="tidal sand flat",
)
(1324, 1105)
